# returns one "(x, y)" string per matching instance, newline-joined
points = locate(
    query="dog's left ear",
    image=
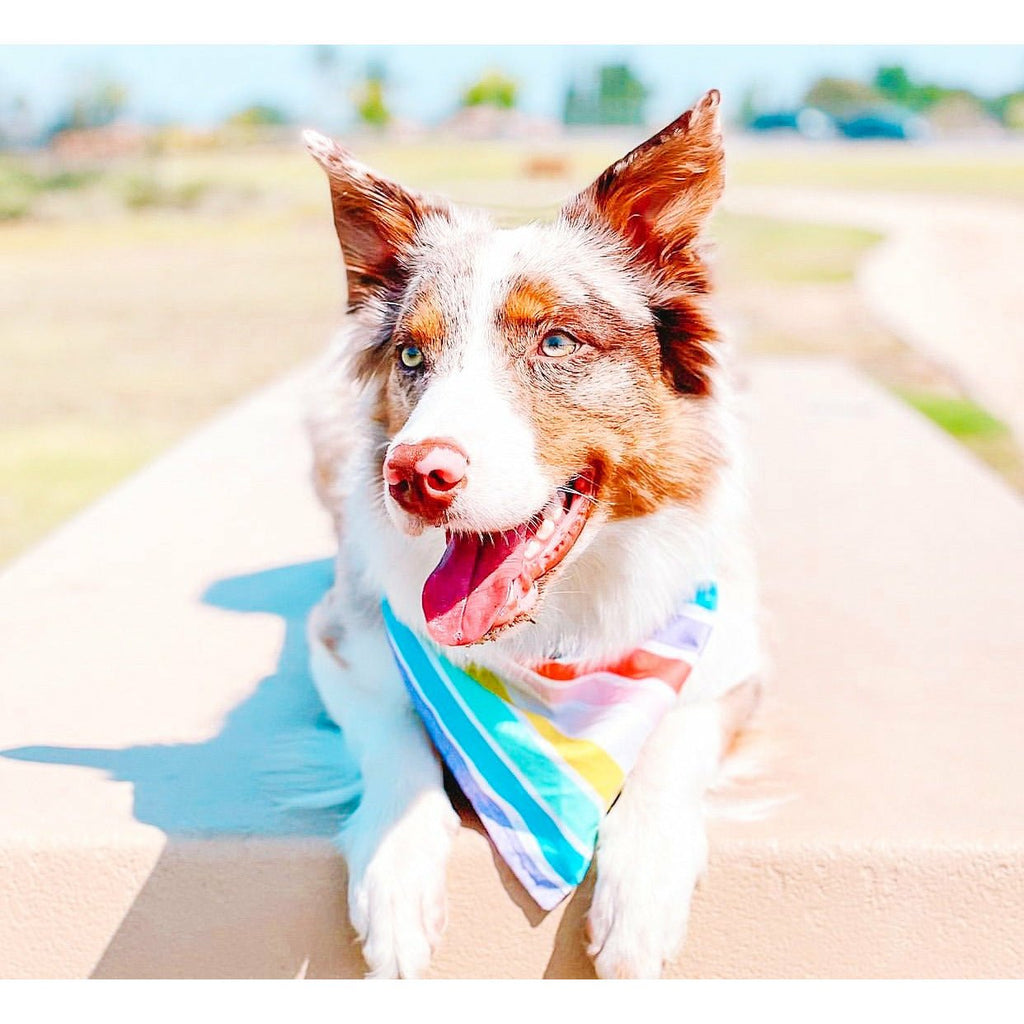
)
(657, 197)
(376, 220)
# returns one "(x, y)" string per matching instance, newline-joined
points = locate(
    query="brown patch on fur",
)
(333, 432)
(423, 324)
(672, 460)
(325, 482)
(534, 308)
(391, 407)
(632, 403)
(385, 415)
(529, 302)
(612, 406)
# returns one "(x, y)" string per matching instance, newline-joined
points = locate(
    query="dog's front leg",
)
(397, 842)
(652, 846)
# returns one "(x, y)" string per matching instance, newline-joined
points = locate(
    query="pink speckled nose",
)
(425, 478)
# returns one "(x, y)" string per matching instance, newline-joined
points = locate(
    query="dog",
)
(556, 397)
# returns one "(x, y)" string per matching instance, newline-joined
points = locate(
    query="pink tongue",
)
(464, 596)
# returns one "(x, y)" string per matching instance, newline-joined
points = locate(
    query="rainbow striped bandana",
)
(543, 751)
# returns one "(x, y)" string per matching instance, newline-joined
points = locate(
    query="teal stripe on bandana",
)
(436, 684)
(577, 811)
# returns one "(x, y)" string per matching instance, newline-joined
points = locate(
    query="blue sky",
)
(202, 84)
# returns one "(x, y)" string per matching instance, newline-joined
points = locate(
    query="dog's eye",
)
(411, 357)
(557, 346)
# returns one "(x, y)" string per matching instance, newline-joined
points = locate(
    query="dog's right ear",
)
(375, 218)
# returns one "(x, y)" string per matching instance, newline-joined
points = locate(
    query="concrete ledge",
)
(153, 670)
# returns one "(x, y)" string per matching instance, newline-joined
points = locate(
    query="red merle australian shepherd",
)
(556, 396)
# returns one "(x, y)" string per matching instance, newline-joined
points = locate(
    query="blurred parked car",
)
(883, 124)
(807, 121)
(812, 123)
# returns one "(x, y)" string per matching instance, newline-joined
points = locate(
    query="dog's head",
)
(532, 384)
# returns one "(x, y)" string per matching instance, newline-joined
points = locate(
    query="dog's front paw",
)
(645, 880)
(396, 891)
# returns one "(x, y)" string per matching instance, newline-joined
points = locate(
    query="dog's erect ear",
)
(375, 218)
(657, 197)
(656, 200)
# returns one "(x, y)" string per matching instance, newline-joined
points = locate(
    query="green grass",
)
(788, 252)
(987, 437)
(50, 471)
(139, 191)
(907, 169)
(121, 335)
(957, 416)
(23, 181)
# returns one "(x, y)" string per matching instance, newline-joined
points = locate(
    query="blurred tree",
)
(955, 111)
(371, 99)
(98, 102)
(617, 99)
(574, 107)
(621, 95)
(959, 112)
(749, 106)
(259, 115)
(1009, 108)
(895, 84)
(840, 96)
(493, 89)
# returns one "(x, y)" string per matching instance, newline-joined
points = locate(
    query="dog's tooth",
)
(532, 549)
(545, 530)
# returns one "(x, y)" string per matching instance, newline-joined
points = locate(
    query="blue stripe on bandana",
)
(557, 845)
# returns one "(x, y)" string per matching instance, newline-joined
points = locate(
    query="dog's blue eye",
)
(557, 346)
(411, 357)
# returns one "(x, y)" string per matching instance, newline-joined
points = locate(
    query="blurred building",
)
(489, 122)
(104, 142)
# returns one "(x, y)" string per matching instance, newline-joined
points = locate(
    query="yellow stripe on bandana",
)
(588, 760)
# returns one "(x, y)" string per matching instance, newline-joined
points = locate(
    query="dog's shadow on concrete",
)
(208, 796)
(226, 785)
(215, 906)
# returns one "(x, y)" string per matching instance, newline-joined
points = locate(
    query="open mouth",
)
(485, 582)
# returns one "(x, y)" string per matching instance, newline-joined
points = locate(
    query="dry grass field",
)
(135, 306)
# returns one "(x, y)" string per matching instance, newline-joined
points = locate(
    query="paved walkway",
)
(948, 278)
(154, 696)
